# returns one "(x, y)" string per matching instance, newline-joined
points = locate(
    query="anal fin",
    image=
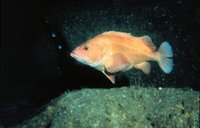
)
(144, 66)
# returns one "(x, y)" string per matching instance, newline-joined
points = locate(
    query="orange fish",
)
(112, 52)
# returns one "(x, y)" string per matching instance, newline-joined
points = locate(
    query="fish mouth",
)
(73, 55)
(79, 58)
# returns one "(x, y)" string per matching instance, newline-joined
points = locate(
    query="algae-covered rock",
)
(126, 107)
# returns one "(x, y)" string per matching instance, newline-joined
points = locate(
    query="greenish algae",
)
(127, 107)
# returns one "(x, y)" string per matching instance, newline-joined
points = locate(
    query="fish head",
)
(90, 53)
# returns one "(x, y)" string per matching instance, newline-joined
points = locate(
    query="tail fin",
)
(166, 54)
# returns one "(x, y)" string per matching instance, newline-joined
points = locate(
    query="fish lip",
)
(78, 58)
(72, 54)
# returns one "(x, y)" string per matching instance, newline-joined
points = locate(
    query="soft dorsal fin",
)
(147, 40)
(117, 63)
(144, 66)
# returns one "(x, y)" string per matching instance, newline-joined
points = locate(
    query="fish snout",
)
(79, 58)
(72, 55)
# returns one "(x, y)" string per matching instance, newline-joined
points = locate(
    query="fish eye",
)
(85, 47)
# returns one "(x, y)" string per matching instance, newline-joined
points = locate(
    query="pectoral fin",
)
(117, 63)
(144, 66)
(111, 77)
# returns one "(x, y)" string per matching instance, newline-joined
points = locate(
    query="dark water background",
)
(34, 69)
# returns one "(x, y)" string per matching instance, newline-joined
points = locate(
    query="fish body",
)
(112, 52)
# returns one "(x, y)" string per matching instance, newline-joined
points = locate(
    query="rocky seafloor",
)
(125, 107)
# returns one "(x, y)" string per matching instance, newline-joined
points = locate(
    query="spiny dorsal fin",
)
(147, 40)
(145, 67)
(118, 33)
